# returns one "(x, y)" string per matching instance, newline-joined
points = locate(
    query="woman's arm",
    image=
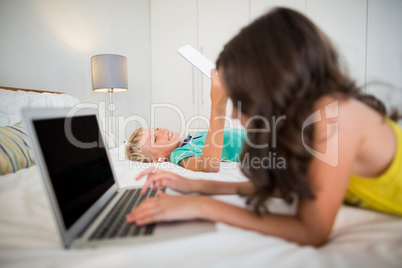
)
(183, 185)
(211, 155)
(311, 226)
(221, 188)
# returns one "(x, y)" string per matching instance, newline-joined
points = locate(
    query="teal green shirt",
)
(233, 140)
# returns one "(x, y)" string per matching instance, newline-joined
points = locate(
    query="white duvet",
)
(29, 237)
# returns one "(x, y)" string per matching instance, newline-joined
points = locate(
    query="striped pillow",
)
(111, 141)
(15, 152)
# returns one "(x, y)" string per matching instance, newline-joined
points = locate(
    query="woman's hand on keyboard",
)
(166, 208)
(166, 179)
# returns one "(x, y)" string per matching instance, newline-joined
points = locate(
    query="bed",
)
(29, 236)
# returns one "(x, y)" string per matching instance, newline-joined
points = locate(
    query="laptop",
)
(83, 191)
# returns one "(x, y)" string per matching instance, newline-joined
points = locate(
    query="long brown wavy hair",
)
(281, 64)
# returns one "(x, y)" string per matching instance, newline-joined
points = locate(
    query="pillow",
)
(12, 103)
(15, 152)
(111, 141)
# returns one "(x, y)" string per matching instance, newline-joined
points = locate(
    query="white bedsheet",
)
(29, 237)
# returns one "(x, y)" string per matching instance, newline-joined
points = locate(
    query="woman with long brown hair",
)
(338, 145)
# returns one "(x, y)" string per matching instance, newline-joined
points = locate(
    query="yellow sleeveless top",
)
(383, 193)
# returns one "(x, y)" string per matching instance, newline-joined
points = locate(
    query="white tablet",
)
(197, 59)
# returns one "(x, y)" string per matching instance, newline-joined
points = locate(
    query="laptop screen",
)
(77, 162)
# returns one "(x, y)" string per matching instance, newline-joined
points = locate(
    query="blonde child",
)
(202, 151)
(195, 152)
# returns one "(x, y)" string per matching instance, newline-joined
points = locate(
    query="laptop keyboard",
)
(114, 224)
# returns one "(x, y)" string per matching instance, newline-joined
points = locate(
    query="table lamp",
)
(109, 74)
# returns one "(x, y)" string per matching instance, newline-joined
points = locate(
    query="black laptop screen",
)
(76, 161)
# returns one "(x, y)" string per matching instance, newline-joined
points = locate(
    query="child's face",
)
(158, 142)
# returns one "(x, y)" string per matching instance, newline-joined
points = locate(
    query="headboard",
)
(30, 90)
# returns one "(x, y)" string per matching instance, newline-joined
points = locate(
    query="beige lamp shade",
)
(109, 73)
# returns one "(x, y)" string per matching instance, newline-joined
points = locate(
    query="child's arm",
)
(211, 155)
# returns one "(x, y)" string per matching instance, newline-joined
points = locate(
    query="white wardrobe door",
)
(344, 21)
(173, 24)
(260, 7)
(384, 69)
(218, 22)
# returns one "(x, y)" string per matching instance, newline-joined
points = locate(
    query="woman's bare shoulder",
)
(345, 109)
(347, 117)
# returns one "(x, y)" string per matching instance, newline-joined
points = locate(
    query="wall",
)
(48, 45)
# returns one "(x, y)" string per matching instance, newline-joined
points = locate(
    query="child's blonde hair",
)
(134, 150)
